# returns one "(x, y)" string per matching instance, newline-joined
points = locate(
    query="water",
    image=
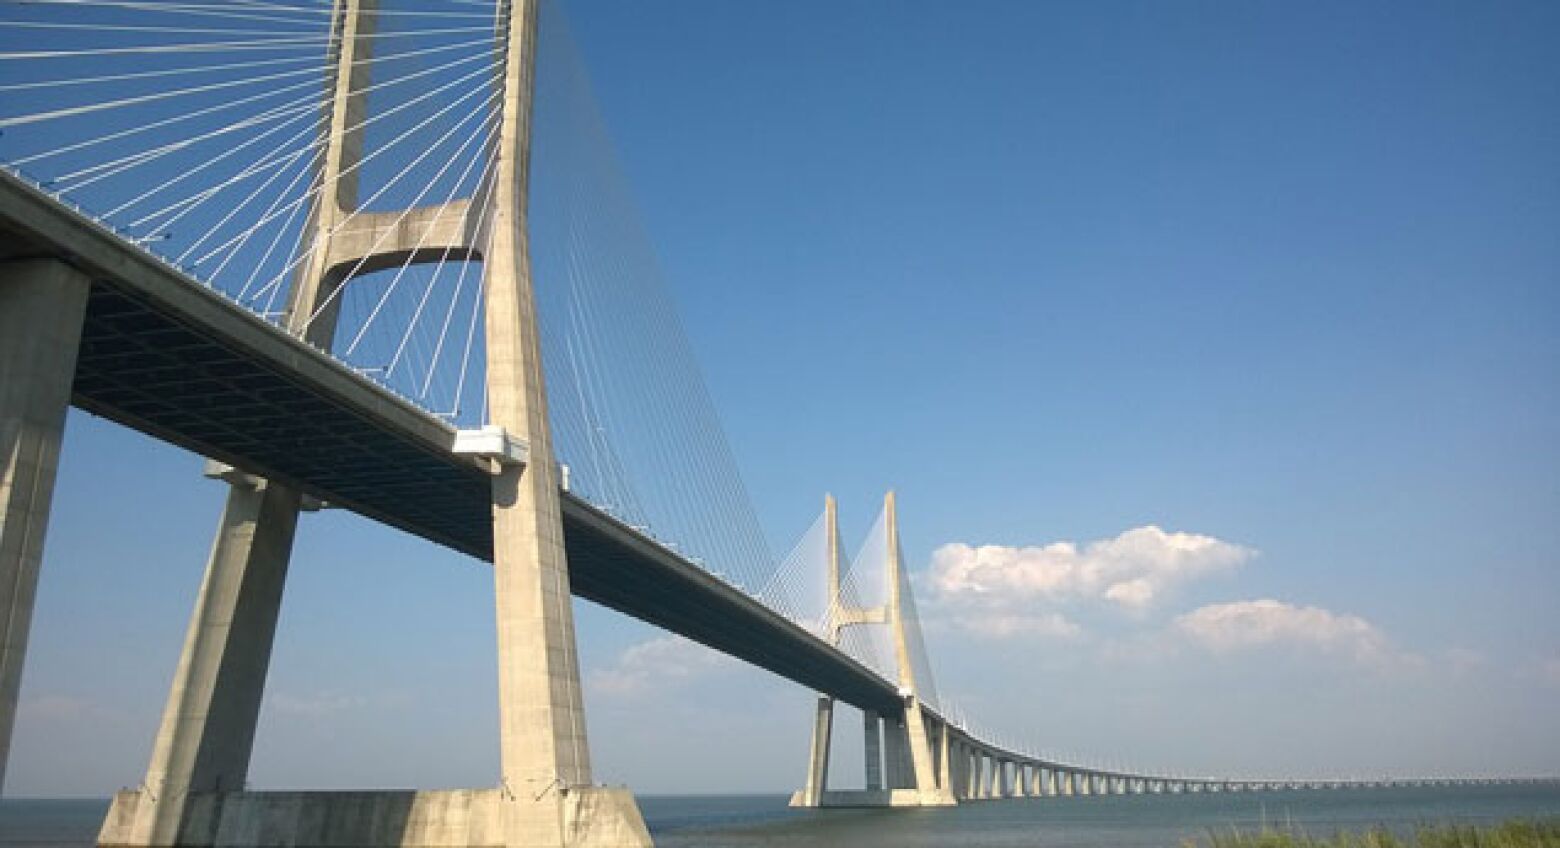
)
(1146, 821)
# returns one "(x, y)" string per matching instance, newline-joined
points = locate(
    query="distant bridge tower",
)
(907, 754)
(194, 789)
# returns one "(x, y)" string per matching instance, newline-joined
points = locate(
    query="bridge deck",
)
(164, 355)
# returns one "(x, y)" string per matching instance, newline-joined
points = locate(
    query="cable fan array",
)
(631, 413)
(864, 586)
(198, 131)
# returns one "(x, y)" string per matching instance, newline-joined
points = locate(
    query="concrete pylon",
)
(547, 797)
(910, 767)
(193, 793)
(927, 792)
(42, 306)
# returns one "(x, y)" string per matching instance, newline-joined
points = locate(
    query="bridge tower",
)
(194, 792)
(907, 754)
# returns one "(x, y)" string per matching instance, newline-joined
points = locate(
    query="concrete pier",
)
(872, 730)
(207, 733)
(818, 763)
(42, 306)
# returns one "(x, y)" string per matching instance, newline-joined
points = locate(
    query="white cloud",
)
(1245, 625)
(657, 661)
(1132, 570)
(1004, 625)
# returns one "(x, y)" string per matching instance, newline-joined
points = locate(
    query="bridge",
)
(260, 280)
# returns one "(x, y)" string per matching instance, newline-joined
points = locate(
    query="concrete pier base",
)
(42, 306)
(818, 763)
(583, 817)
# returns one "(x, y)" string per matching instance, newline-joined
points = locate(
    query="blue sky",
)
(1281, 278)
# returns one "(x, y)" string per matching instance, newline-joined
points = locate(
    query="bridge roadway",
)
(165, 355)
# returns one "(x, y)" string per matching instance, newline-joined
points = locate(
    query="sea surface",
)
(1141, 821)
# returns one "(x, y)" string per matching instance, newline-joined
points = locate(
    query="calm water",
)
(1105, 822)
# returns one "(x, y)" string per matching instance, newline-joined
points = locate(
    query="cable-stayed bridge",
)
(377, 255)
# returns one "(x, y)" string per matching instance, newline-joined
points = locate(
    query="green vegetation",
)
(1512, 834)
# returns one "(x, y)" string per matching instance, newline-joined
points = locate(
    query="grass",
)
(1511, 834)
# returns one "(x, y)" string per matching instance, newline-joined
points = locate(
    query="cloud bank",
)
(1248, 625)
(665, 659)
(1132, 570)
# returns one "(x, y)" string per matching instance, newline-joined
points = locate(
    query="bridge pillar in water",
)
(42, 306)
(910, 767)
(872, 734)
(896, 754)
(818, 763)
(959, 778)
(944, 752)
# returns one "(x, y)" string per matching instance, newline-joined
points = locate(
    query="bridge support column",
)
(960, 772)
(207, 732)
(944, 752)
(872, 731)
(818, 763)
(920, 759)
(544, 755)
(42, 306)
(895, 752)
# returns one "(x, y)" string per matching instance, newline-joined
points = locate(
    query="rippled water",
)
(1095, 822)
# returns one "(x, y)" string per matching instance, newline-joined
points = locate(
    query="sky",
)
(1213, 351)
